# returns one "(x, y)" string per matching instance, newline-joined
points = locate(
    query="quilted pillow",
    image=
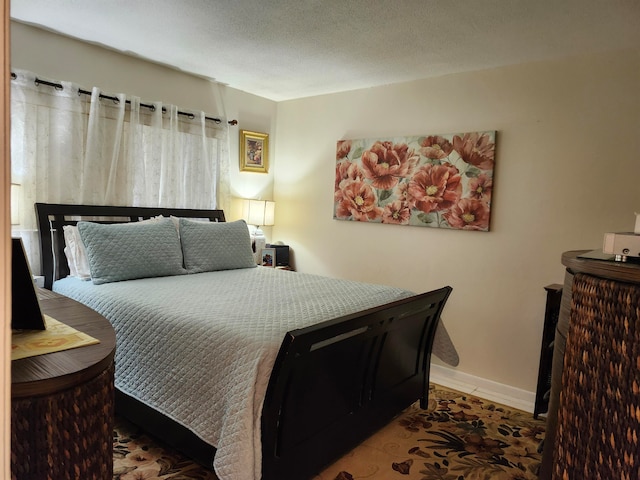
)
(76, 253)
(212, 246)
(127, 251)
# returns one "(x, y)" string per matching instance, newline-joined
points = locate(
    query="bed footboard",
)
(336, 383)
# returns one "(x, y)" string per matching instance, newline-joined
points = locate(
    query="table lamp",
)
(259, 213)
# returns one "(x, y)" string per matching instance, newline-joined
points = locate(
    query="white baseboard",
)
(483, 388)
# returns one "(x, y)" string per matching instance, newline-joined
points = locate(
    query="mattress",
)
(200, 348)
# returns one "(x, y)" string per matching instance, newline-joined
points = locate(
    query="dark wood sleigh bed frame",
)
(333, 384)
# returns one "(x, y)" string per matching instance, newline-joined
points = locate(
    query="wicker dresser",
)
(593, 423)
(62, 403)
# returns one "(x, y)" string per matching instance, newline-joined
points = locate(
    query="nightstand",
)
(595, 374)
(62, 403)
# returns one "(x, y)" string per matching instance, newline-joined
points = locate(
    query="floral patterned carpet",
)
(459, 437)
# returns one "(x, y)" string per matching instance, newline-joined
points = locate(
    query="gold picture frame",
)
(254, 152)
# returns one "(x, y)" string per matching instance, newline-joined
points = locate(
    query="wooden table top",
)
(52, 372)
(621, 271)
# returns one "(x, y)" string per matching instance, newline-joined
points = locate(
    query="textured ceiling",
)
(285, 49)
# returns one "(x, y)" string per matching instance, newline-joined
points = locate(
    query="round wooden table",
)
(62, 403)
(578, 262)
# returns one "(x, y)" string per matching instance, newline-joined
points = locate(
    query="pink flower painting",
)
(442, 181)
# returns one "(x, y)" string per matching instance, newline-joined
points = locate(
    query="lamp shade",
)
(258, 212)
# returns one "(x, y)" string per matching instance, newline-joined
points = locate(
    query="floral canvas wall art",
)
(442, 181)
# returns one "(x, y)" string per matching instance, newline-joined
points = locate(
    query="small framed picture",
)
(254, 152)
(268, 257)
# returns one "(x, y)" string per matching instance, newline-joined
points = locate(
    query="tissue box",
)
(623, 243)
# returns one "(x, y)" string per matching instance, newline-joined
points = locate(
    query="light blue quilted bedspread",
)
(200, 348)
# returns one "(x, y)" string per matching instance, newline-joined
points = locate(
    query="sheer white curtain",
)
(68, 147)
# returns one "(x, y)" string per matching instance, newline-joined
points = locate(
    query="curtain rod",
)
(59, 86)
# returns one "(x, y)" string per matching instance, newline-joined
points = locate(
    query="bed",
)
(291, 372)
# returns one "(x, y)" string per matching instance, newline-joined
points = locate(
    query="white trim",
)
(481, 387)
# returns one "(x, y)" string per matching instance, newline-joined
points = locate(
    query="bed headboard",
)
(52, 217)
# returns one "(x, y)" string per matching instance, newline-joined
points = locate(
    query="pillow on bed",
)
(77, 254)
(176, 221)
(131, 250)
(212, 246)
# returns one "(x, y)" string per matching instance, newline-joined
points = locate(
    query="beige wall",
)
(567, 171)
